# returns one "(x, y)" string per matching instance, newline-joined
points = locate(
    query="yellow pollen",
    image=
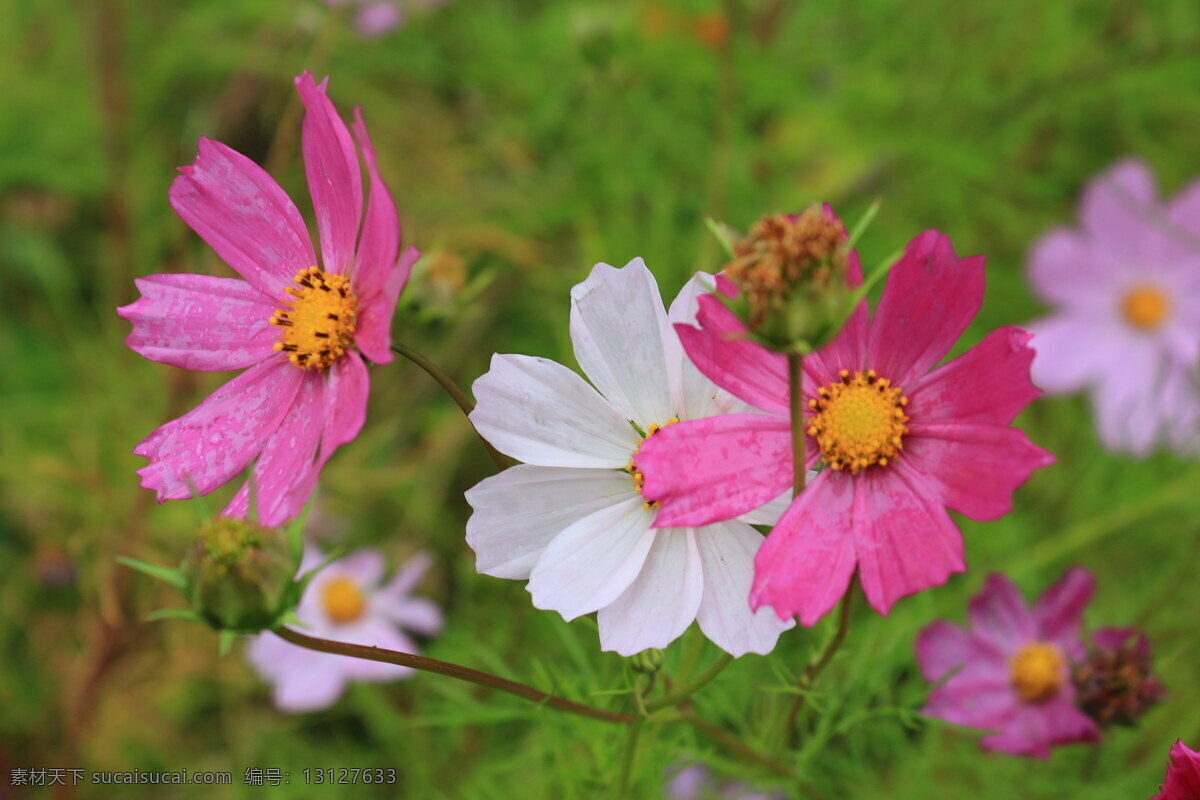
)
(1145, 307)
(344, 601)
(320, 324)
(859, 421)
(638, 477)
(1037, 671)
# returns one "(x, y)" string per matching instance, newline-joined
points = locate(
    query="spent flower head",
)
(790, 272)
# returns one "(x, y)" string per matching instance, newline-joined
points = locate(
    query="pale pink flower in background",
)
(1183, 775)
(571, 519)
(697, 782)
(1010, 672)
(1125, 287)
(346, 601)
(900, 438)
(375, 18)
(299, 328)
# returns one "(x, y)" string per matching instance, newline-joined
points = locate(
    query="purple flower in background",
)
(1012, 667)
(379, 17)
(697, 782)
(346, 602)
(1126, 322)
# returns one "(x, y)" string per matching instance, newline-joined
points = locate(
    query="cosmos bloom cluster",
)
(642, 479)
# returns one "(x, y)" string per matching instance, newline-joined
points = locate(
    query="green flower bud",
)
(647, 662)
(239, 575)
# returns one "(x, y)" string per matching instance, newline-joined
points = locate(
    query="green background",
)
(525, 141)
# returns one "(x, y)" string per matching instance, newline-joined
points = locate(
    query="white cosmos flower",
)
(571, 520)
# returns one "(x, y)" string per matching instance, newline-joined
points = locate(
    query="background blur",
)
(526, 140)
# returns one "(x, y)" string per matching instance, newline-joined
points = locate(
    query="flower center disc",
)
(638, 477)
(1037, 671)
(1146, 307)
(344, 601)
(859, 421)
(320, 324)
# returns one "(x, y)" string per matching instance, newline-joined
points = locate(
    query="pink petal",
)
(1183, 775)
(1116, 205)
(1073, 351)
(232, 204)
(380, 241)
(334, 176)
(304, 680)
(998, 615)
(848, 350)
(213, 442)
(804, 566)
(943, 647)
(200, 322)
(374, 336)
(347, 387)
(717, 468)
(1067, 267)
(904, 539)
(1058, 613)
(741, 367)
(930, 297)
(988, 383)
(983, 704)
(1035, 729)
(972, 468)
(286, 461)
(416, 614)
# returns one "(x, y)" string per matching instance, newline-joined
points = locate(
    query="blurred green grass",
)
(526, 141)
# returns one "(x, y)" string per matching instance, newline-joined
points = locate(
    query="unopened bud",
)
(1115, 685)
(791, 270)
(647, 662)
(240, 575)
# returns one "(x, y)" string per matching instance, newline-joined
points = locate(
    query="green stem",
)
(460, 397)
(452, 671)
(796, 406)
(689, 689)
(736, 745)
(630, 756)
(817, 665)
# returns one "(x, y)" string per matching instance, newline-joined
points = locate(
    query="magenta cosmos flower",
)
(301, 328)
(1183, 775)
(1126, 323)
(1011, 671)
(346, 601)
(899, 437)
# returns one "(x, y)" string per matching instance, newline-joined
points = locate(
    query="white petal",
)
(518, 512)
(695, 396)
(727, 556)
(662, 602)
(588, 565)
(542, 413)
(617, 326)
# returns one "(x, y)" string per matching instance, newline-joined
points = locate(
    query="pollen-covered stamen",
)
(343, 600)
(1146, 307)
(638, 477)
(859, 421)
(1037, 671)
(320, 325)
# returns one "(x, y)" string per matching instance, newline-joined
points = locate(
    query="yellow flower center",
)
(344, 601)
(638, 477)
(320, 324)
(1037, 671)
(1146, 307)
(859, 422)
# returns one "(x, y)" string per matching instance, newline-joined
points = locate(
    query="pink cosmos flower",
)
(346, 602)
(1126, 323)
(900, 439)
(1011, 671)
(302, 329)
(571, 520)
(1183, 775)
